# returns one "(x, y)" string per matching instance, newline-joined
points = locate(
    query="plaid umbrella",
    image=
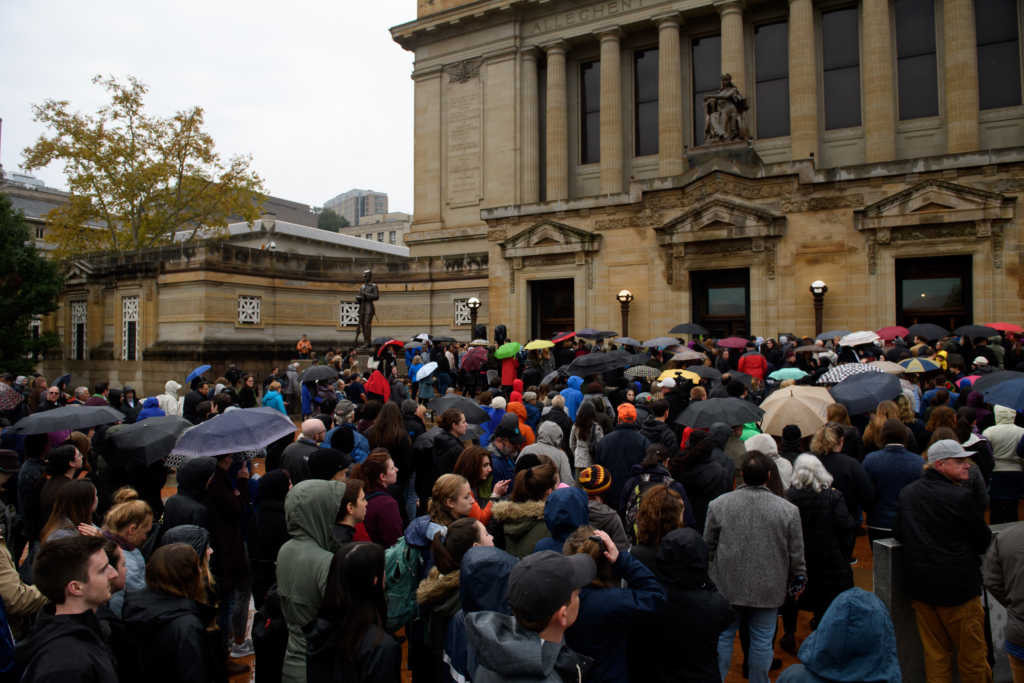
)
(919, 365)
(840, 372)
(9, 397)
(642, 372)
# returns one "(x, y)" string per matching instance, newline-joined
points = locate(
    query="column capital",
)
(529, 52)
(559, 47)
(667, 20)
(725, 7)
(609, 33)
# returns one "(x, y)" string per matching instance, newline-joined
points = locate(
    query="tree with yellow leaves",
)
(137, 179)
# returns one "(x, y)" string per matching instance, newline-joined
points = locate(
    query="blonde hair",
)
(127, 510)
(274, 386)
(827, 439)
(445, 488)
(886, 410)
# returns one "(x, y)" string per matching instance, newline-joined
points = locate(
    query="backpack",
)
(643, 482)
(403, 566)
(269, 637)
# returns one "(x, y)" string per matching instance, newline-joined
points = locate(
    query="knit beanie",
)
(595, 480)
(791, 438)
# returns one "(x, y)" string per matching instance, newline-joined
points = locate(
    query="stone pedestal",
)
(736, 157)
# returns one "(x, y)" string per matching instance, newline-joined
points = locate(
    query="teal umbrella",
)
(507, 350)
(788, 373)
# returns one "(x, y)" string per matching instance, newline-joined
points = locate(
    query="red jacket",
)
(754, 364)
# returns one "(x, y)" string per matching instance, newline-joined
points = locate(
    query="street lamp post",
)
(625, 298)
(474, 307)
(818, 290)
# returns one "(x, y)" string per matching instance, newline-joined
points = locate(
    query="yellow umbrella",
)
(538, 344)
(680, 372)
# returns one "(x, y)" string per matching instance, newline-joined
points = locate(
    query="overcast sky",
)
(316, 91)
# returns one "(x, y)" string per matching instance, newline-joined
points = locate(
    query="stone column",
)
(961, 76)
(670, 98)
(803, 81)
(879, 93)
(530, 150)
(734, 60)
(557, 125)
(611, 112)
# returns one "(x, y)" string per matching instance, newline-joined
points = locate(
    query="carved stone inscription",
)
(584, 15)
(464, 142)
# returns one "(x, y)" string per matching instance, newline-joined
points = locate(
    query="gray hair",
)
(82, 392)
(808, 472)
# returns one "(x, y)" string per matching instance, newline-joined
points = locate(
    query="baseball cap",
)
(508, 428)
(627, 412)
(946, 448)
(544, 581)
(981, 360)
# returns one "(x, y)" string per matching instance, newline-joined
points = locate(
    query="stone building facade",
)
(564, 140)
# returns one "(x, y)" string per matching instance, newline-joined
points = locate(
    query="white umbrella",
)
(426, 371)
(858, 338)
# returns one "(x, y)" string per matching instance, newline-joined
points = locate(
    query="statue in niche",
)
(723, 113)
(368, 293)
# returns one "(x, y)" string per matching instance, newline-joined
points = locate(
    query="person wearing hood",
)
(679, 641)
(188, 505)
(573, 396)
(519, 522)
(595, 482)
(130, 405)
(556, 413)
(657, 430)
(166, 617)
(704, 476)
(549, 443)
(855, 641)
(1007, 476)
(303, 563)
(543, 593)
(150, 408)
(519, 410)
(564, 512)
(532, 410)
(268, 531)
(618, 451)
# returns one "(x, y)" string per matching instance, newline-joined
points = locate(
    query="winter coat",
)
(150, 408)
(519, 410)
(19, 598)
(175, 644)
(658, 475)
(688, 624)
(31, 478)
(705, 479)
(1004, 436)
(439, 599)
(504, 466)
(573, 396)
(753, 364)
(383, 520)
(943, 534)
(188, 505)
(720, 435)
(756, 546)
(564, 512)
(360, 450)
(660, 432)
(135, 573)
(825, 521)
(520, 524)
(549, 443)
(607, 520)
(268, 531)
(227, 505)
(1003, 572)
(889, 469)
(447, 449)
(532, 415)
(188, 406)
(583, 450)
(607, 616)
(295, 458)
(304, 562)
(855, 641)
(562, 419)
(273, 399)
(618, 452)
(68, 647)
(378, 659)
(849, 477)
(508, 653)
(169, 401)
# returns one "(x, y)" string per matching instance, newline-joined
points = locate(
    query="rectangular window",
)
(771, 50)
(707, 78)
(79, 318)
(915, 58)
(995, 24)
(645, 104)
(130, 328)
(590, 113)
(380, 237)
(841, 68)
(392, 236)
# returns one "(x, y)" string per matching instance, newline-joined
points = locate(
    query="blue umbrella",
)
(862, 393)
(196, 372)
(236, 431)
(1009, 394)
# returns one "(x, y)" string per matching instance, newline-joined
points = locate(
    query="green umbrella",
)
(788, 373)
(507, 350)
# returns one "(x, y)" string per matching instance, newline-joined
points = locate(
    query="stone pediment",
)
(78, 273)
(722, 218)
(933, 202)
(550, 238)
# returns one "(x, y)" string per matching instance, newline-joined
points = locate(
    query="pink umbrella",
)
(474, 359)
(1006, 327)
(970, 380)
(892, 332)
(732, 343)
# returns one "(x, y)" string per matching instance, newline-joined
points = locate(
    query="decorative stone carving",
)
(460, 72)
(723, 113)
(465, 262)
(462, 314)
(249, 310)
(549, 238)
(348, 314)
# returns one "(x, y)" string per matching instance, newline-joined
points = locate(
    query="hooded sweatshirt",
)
(169, 401)
(507, 653)
(304, 562)
(549, 443)
(188, 505)
(855, 641)
(573, 396)
(150, 408)
(1004, 436)
(520, 411)
(565, 512)
(68, 647)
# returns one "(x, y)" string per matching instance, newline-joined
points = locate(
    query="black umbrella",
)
(599, 362)
(627, 341)
(467, 406)
(992, 379)
(148, 440)
(863, 392)
(588, 333)
(976, 331)
(381, 340)
(234, 431)
(927, 331)
(72, 418)
(688, 328)
(705, 371)
(444, 340)
(740, 377)
(63, 380)
(732, 411)
(319, 372)
(661, 341)
(606, 334)
(552, 376)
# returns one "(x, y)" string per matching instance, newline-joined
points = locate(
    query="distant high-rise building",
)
(355, 204)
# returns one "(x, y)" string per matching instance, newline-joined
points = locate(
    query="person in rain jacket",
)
(549, 443)
(565, 512)
(304, 562)
(273, 398)
(188, 505)
(519, 410)
(169, 401)
(150, 408)
(1007, 478)
(855, 641)
(573, 396)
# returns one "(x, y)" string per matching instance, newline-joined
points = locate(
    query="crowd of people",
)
(573, 528)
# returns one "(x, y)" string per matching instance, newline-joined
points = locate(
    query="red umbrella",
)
(473, 359)
(390, 342)
(562, 336)
(733, 343)
(1006, 327)
(892, 332)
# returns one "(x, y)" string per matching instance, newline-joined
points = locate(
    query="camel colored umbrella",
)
(790, 407)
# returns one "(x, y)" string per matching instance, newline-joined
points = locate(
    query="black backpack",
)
(632, 498)
(269, 637)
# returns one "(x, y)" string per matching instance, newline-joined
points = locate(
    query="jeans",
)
(761, 621)
(410, 497)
